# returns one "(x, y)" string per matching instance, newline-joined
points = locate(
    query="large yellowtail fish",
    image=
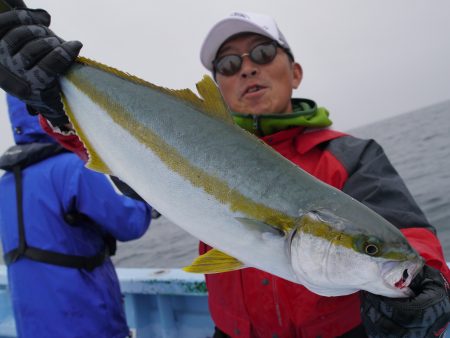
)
(185, 156)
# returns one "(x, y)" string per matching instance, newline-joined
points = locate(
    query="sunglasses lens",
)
(228, 65)
(263, 54)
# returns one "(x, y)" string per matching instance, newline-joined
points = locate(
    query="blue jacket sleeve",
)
(93, 195)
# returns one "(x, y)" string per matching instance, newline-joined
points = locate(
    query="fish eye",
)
(368, 245)
(371, 249)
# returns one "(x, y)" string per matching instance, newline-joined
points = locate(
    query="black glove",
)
(425, 315)
(125, 188)
(129, 192)
(155, 214)
(31, 59)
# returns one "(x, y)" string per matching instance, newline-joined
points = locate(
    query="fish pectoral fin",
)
(259, 226)
(214, 261)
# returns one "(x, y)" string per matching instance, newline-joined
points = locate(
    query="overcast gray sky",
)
(363, 60)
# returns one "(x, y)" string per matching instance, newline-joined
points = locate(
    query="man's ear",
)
(297, 75)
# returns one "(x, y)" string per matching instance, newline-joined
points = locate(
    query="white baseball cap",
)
(235, 23)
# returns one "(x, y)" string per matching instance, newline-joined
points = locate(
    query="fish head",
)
(332, 257)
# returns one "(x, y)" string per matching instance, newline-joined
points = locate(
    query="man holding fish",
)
(256, 72)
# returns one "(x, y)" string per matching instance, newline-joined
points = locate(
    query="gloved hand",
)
(32, 58)
(425, 315)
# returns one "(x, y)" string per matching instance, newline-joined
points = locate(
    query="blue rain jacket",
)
(50, 300)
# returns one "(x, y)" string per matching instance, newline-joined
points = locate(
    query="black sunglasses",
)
(261, 54)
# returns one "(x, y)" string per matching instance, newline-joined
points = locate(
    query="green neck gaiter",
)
(305, 114)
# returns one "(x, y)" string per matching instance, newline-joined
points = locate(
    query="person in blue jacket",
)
(58, 226)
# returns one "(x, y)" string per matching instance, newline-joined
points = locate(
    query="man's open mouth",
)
(253, 89)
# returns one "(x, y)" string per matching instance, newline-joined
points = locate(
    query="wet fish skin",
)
(184, 156)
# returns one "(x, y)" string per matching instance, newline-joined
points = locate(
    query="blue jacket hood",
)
(25, 127)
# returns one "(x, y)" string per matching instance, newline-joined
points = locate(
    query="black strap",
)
(71, 261)
(14, 254)
(55, 258)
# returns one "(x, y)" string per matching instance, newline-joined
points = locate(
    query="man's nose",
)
(248, 67)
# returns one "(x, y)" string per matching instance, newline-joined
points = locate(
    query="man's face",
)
(258, 89)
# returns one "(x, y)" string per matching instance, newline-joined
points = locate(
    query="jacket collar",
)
(306, 114)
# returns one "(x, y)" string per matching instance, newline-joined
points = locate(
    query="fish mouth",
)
(399, 275)
(404, 281)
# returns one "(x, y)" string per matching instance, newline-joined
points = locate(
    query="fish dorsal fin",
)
(211, 102)
(214, 261)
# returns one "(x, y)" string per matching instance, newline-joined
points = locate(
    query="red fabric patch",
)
(70, 142)
(429, 247)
